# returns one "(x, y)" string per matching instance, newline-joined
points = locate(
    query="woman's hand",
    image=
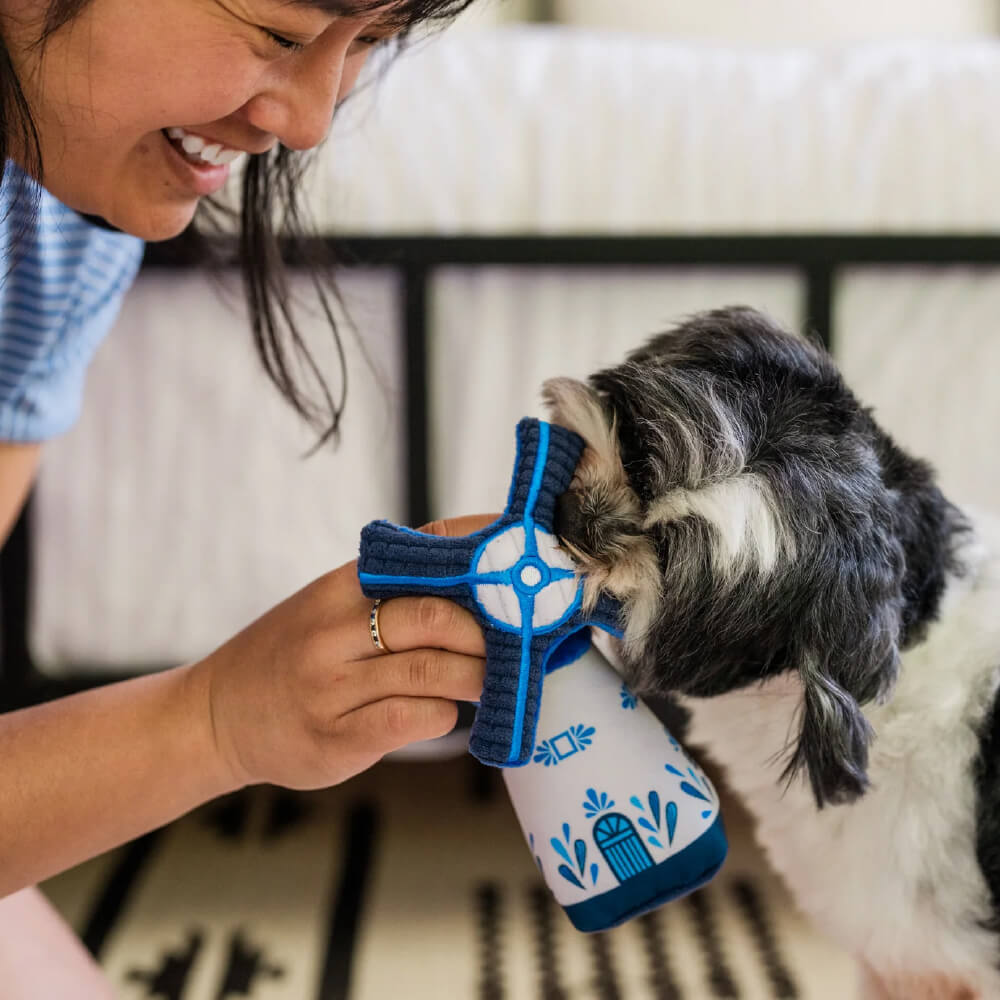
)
(302, 698)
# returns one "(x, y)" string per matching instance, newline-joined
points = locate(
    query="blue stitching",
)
(503, 576)
(527, 601)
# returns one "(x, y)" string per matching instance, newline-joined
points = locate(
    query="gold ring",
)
(374, 627)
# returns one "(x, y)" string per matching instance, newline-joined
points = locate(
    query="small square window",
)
(564, 745)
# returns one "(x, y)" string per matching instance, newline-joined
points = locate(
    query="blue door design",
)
(621, 846)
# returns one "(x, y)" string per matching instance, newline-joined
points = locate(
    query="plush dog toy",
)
(619, 819)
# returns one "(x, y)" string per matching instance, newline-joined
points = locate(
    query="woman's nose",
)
(298, 103)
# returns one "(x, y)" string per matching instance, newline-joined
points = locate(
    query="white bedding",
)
(555, 130)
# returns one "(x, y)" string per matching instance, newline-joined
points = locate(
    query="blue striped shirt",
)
(62, 281)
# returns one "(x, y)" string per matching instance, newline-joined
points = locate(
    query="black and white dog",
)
(828, 618)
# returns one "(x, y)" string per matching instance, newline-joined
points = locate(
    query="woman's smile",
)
(200, 150)
(202, 166)
(201, 178)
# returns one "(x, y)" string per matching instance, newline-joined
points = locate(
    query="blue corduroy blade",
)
(516, 580)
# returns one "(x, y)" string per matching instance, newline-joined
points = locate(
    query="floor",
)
(414, 881)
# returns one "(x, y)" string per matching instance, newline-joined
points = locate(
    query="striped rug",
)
(413, 882)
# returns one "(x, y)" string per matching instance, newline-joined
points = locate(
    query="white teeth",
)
(201, 150)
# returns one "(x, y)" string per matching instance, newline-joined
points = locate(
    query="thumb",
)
(456, 527)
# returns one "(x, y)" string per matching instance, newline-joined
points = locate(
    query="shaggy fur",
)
(830, 619)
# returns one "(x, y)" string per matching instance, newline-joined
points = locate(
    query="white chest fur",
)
(894, 876)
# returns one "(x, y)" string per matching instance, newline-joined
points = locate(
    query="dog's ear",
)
(833, 741)
(858, 664)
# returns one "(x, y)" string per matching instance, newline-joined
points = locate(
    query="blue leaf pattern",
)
(654, 807)
(673, 770)
(646, 825)
(692, 791)
(560, 850)
(671, 820)
(581, 855)
(655, 842)
(567, 873)
(593, 872)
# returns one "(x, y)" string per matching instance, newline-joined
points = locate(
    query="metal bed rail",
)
(818, 259)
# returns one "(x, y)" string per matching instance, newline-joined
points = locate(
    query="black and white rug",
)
(413, 882)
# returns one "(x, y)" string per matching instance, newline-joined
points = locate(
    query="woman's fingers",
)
(430, 622)
(386, 725)
(425, 673)
(410, 622)
(458, 527)
(418, 673)
(406, 623)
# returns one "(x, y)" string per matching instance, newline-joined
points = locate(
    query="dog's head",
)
(754, 519)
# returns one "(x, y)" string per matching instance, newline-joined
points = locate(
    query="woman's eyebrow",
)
(345, 8)
(390, 15)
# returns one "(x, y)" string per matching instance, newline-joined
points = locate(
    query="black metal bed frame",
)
(818, 259)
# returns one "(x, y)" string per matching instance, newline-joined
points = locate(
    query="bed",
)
(516, 204)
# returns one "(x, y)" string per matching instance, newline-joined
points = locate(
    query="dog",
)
(828, 619)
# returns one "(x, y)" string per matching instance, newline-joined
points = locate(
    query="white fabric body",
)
(599, 754)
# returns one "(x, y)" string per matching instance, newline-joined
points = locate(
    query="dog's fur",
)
(829, 619)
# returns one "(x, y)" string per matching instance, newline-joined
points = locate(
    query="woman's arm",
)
(83, 774)
(86, 773)
(18, 465)
(299, 698)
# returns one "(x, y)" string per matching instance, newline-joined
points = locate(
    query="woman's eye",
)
(364, 41)
(285, 43)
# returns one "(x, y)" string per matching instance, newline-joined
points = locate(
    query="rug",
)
(413, 881)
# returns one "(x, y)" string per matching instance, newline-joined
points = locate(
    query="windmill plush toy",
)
(619, 818)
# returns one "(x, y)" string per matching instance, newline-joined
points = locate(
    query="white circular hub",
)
(549, 603)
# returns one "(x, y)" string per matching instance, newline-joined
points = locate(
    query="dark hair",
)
(270, 181)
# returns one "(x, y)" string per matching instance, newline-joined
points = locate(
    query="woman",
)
(132, 112)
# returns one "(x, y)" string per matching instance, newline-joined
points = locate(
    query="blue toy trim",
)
(527, 607)
(527, 603)
(395, 561)
(377, 579)
(655, 886)
(541, 457)
(572, 646)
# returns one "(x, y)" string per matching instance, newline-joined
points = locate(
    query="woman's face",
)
(109, 86)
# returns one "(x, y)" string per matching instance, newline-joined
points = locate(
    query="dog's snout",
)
(570, 523)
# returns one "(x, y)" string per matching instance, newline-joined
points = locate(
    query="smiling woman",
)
(119, 122)
(134, 112)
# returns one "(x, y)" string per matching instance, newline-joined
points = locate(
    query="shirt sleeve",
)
(60, 292)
